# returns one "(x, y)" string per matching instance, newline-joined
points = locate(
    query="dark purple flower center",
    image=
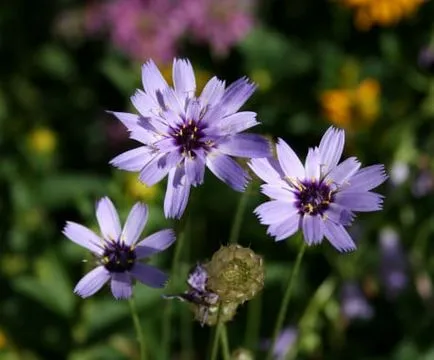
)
(313, 198)
(189, 137)
(118, 257)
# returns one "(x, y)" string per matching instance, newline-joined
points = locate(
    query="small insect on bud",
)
(235, 274)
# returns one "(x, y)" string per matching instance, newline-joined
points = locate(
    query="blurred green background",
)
(364, 65)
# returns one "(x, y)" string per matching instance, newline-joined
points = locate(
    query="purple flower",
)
(426, 58)
(353, 303)
(319, 197)
(117, 250)
(182, 134)
(393, 267)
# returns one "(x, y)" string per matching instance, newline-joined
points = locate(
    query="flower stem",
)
(167, 315)
(224, 342)
(138, 327)
(236, 225)
(285, 301)
(253, 322)
(214, 351)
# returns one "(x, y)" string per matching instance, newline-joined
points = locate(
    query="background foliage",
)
(314, 67)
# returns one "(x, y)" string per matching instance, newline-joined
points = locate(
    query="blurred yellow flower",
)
(262, 78)
(352, 108)
(42, 141)
(381, 12)
(3, 340)
(138, 190)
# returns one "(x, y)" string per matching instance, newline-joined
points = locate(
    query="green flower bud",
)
(208, 315)
(235, 274)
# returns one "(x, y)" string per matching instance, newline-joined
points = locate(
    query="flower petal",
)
(92, 282)
(268, 170)
(236, 123)
(367, 178)
(212, 92)
(108, 219)
(133, 160)
(152, 79)
(227, 170)
(331, 148)
(236, 95)
(285, 228)
(360, 201)
(155, 243)
(338, 237)
(130, 121)
(183, 78)
(341, 173)
(135, 223)
(121, 285)
(339, 214)
(83, 236)
(144, 103)
(278, 193)
(275, 211)
(312, 229)
(177, 193)
(149, 275)
(156, 169)
(246, 145)
(312, 164)
(195, 170)
(289, 161)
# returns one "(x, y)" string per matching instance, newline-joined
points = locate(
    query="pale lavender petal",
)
(237, 122)
(195, 170)
(152, 79)
(363, 201)
(83, 236)
(133, 160)
(286, 228)
(121, 285)
(367, 178)
(149, 275)
(155, 243)
(227, 170)
(155, 124)
(313, 229)
(339, 214)
(338, 237)
(237, 94)
(275, 211)
(246, 145)
(130, 121)
(331, 148)
(170, 101)
(167, 144)
(211, 118)
(212, 92)
(177, 193)
(108, 219)
(289, 161)
(159, 167)
(278, 193)
(146, 133)
(183, 78)
(92, 282)
(312, 164)
(193, 110)
(135, 223)
(341, 173)
(268, 170)
(144, 103)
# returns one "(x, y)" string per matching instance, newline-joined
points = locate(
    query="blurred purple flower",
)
(221, 23)
(393, 266)
(136, 26)
(423, 184)
(353, 303)
(399, 173)
(117, 250)
(320, 197)
(182, 134)
(426, 58)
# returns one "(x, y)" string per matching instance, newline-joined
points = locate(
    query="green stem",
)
(214, 351)
(138, 327)
(285, 301)
(253, 322)
(224, 342)
(167, 315)
(236, 225)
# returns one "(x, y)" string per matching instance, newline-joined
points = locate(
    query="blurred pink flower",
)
(221, 23)
(140, 28)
